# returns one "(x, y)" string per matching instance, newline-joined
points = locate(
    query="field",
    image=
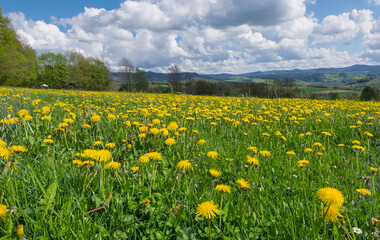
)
(102, 165)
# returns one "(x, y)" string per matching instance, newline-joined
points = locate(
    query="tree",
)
(18, 61)
(368, 94)
(174, 78)
(141, 81)
(128, 71)
(98, 75)
(53, 69)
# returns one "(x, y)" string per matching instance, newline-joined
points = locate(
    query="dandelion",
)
(327, 134)
(355, 142)
(331, 196)
(364, 191)
(302, 163)
(331, 213)
(48, 141)
(113, 165)
(307, 150)
(142, 135)
(78, 163)
(110, 145)
(156, 156)
(172, 126)
(341, 145)
(252, 160)
(3, 144)
(215, 173)
(95, 118)
(212, 154)
(154, 131)
(146, 202)
(207, 210)
(359, 148)
(290, 153)
(229, 159)
(223, 188)
(6, 153)
(18, 149)
(3, 211)
(170, 141)
(201, 141)
(135, 169)
(144, 159)
(98, 143)
(253, 149)
(265, 153)
(20, 231)
(242, 183)
(184, 164)
(103, 155)
(373, 169)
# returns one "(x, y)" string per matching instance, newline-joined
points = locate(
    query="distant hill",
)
(349, 76)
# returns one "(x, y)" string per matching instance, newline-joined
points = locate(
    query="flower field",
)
(101, 165)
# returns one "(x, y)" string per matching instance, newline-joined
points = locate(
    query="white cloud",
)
(374, 2)
(207, 35)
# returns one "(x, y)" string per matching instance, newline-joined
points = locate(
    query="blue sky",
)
(208, 36)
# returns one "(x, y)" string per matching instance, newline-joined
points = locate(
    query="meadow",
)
(103, 165)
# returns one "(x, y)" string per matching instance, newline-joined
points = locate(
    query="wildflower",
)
(253, 149)
(182, 129)
(266, 134)
(317, 144)
(307, 150)
(103, 155)
(327, 134)
(154, 131)
(155, 156)
(3, 211)
(212, 154)
(207, 210)
(144, 159)
(164, 132)
(111, 117)
(20, 231)
(127, 123)
(98, 143)
(357, 230)
(302, 163)
(331, 213)
(368, 134)
(242, 183)
(355, 142)
(184, 164)
(95, 118)
(265, 153)
(135, 169)
(48, 141)
(330, 196)
(5, 153)
(86, 126)
(68, 120)
(201, 141)
(77, 162)
(146, 202)
(290, 153)
(375, 221)
(3, 144)
(18, 149)
(110, 145)
(142, 135)
(341, 145)
(113, 165)
(223, 188)
(22, 112)
(215, 173)
(357, 147)
(156, 122)
(373, 169)
(229, 159)
(364, 191)
(172, 126)
(170, 141)
(46, 118)
(252, 160)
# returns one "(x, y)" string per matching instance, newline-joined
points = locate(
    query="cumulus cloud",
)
(207, 35)
(374, 2)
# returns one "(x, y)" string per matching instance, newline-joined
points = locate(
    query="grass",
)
(55, 197)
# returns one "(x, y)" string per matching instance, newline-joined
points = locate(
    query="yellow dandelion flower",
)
(330, 196)
(146, 202)
(156, 156)
(201, 141)
(357, 147)
(103, 155)
(253, 149)
(110, 145)
(307, 150)
(364, 191)
(48, 141)
(86, 126)
(95, 118)
(98, 143)
(265, 153)
(135, 169)
(252, 160)
(341, 145)
(5, 153)
(142, 135)
(355, 142)
(144, 159)
(290, 153)
(77, 162)
(229, 159)
(3, 211)
(17, 148)
(242, 183)
(302, 163)
(373, 169)
(327, 134)
(212, 154)
(172, 126)
(3, 144)
(207, 210)
(113, 165)
(154, 131)
(170, 141)
(223, 188)
(20, 231)
(184, 164)
(215, 173)
(331, 213)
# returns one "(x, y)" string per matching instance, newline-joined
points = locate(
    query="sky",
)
(205, 36)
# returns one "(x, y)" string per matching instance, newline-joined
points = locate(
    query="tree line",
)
(20, 66)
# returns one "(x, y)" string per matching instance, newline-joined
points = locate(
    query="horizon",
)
(213, 36)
